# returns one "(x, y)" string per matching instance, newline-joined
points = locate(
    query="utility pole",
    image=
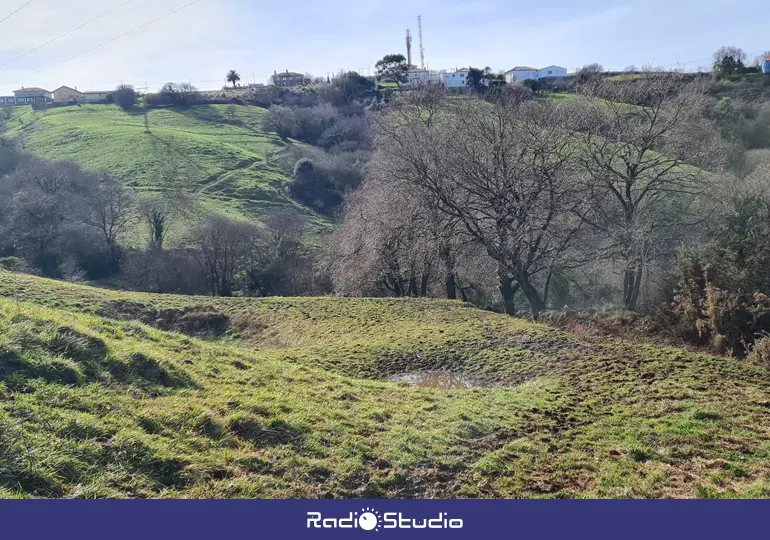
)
(146, 115)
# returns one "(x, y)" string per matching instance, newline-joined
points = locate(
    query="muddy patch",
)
(196, 321)
(446, 380)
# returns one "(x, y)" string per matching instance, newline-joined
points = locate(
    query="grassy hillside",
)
(220, 151)
(290, 398)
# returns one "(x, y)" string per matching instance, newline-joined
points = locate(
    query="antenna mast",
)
(409, 47)
(422, 49)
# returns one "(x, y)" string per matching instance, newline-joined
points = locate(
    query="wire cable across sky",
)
(15, 11)
(124, 34)
(65, 34)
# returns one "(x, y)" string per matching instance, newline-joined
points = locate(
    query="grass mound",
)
(291, 401)
(221, 150)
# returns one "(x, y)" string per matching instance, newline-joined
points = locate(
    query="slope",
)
(290, 398)
(218, 151)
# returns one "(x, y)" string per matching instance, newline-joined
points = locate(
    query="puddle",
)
(434, 379)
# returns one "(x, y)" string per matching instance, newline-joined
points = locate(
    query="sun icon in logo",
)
(369, 520)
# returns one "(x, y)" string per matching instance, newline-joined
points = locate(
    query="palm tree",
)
(233, 77)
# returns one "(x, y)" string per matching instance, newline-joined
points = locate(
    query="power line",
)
(66, 33)
(14, 12)
(104, 43)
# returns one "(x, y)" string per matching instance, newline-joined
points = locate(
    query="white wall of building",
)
(546, 72)
(518, 76)
(457, 79)
(417, 78)
(551, 71)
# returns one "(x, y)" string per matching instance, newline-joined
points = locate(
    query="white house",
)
(520, 73)
(551, 71)
(97, 96)
(417, 77)
(455, 79)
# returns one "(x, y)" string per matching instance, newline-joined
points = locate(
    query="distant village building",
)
(288, 78)
(551, 71)
(27, 96)
(417, 77)
(96, 96)
(520, 73)
(523, 73)
(766, 65)
(65, 94)
(455, 79)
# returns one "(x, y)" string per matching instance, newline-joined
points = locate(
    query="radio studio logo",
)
(369, 519)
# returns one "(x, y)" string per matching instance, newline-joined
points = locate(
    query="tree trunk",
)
(507, 290)
(632, 282)
(424, 283)
(450, 279)
(450, 283)
(114, 263)
(536, 304)
(413, 285)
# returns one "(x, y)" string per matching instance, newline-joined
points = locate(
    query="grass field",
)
(113, 394)
(219, 151)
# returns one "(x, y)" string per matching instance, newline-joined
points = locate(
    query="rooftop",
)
(31, 89)
(522, 68)
(289, 74)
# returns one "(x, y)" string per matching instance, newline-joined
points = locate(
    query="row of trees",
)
(543, 189)
(61, 221)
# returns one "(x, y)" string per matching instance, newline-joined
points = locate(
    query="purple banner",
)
(145, 520)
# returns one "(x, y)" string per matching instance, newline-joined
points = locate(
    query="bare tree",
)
(222, 248)
(502, 170)
(634, 141)
(162, 210)
(111, 214)
(279, 262)
(281, 121)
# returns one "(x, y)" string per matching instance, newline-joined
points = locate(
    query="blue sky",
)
(256, 37)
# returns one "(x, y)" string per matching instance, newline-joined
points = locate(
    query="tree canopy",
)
(392, 67)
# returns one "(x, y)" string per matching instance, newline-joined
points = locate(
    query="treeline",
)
(60, 221)
(622, 195)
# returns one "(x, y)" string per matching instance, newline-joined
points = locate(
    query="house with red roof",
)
(522, 73)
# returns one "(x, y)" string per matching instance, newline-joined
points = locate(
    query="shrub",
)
(124, 96)
(760, 352)
(722, 295)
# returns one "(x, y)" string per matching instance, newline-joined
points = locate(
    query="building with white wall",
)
(522, 73)
(551, 71)
(417, 77)
(455, 79)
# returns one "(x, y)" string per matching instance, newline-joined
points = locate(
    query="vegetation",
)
(291, 401)
(233, 77)
(218, 152)
(124, 96)
(393, 67)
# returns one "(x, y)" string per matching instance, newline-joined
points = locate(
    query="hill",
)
(219, 151)
(279, 397)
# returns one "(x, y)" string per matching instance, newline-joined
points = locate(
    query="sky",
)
(97, 44)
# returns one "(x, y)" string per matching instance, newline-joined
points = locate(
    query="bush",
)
(178, 93)
(314, 189)
(760, 352)
(722, 296)
(124, 96)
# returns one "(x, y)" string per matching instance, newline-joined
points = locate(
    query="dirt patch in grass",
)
(197, 321)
